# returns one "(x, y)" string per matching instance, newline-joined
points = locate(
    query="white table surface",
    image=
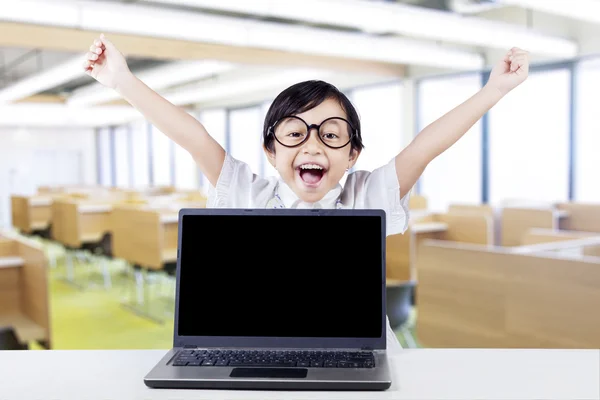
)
(418, 374)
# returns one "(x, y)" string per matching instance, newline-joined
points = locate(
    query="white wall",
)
(33, 157)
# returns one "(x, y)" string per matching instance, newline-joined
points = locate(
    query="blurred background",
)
(504, 244)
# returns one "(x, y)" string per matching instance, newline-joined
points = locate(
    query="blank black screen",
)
(281, 275)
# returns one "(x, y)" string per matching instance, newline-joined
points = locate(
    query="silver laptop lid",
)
(281, 278)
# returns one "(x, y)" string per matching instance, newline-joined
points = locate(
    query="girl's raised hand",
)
(511, 71)
(105, 63)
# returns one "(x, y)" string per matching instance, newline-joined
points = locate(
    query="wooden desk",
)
(24, 303)
(418, 374)
(146, 236)
(78, 222)
(496, 297)
(401, 248)
(31, 213)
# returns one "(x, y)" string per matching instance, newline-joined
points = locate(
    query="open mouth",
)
(311, 174)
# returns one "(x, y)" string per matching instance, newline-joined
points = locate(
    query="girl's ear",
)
(270, 156)
(353, 157)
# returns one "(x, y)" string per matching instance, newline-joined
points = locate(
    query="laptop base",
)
(167, 376)
(270, 384)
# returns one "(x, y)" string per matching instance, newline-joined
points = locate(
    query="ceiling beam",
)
(75, 40)
(43, 98)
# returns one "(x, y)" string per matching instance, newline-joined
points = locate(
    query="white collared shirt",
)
(239, 187)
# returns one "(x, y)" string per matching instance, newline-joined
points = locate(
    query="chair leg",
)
(408, 338)
(106, 274)
(52, 261)
(141, 305)
(69, 267)
(70, 271)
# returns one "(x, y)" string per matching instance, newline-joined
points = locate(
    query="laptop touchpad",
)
(269, 373)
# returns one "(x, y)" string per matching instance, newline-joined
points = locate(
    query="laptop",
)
(278, 299)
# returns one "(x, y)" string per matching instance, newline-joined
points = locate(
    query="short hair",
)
(303, 96)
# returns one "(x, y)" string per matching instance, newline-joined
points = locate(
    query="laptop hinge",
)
(189, 346)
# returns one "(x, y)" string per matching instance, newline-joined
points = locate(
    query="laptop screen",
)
(281, 275)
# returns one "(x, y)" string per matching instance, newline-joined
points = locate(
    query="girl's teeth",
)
(310, 166)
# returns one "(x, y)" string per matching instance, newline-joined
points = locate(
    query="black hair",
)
(303, 96)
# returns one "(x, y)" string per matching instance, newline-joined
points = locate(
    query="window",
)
(454, 177)
(587, 127)
(121, 146)
(139, 154)
(380, 111)
(245, 132)
(529, 141)
(104, 157)
(186, 170)
(215, 123)
(268, 169)
(161, 158)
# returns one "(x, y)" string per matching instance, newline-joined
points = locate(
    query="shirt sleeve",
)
(237, 186)
(380, 189)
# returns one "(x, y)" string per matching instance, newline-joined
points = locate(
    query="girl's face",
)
(312, 169)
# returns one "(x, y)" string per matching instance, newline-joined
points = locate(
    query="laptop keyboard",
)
(275, 358)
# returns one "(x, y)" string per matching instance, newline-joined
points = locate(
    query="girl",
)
(312, 136)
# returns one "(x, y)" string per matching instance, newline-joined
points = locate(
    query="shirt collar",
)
(291, 200)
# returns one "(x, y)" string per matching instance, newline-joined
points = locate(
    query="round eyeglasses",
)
(334, 132)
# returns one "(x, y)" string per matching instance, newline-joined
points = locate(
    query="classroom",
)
(501, 244)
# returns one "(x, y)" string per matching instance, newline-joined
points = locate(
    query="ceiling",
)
(159, 48)
(18, 63)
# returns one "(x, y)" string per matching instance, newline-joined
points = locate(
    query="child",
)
(312, 137)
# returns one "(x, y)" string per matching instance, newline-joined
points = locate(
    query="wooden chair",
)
(24, 304)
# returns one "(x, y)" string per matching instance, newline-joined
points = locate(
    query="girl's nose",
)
(313, 145)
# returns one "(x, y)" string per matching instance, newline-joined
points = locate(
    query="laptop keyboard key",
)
(273, 358)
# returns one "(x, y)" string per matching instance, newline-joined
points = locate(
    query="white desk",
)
(9, 262)
(94, 208)
(418, 374)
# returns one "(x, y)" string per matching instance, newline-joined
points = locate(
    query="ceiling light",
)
(42, 81)
(44, 115)
(158, 79)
